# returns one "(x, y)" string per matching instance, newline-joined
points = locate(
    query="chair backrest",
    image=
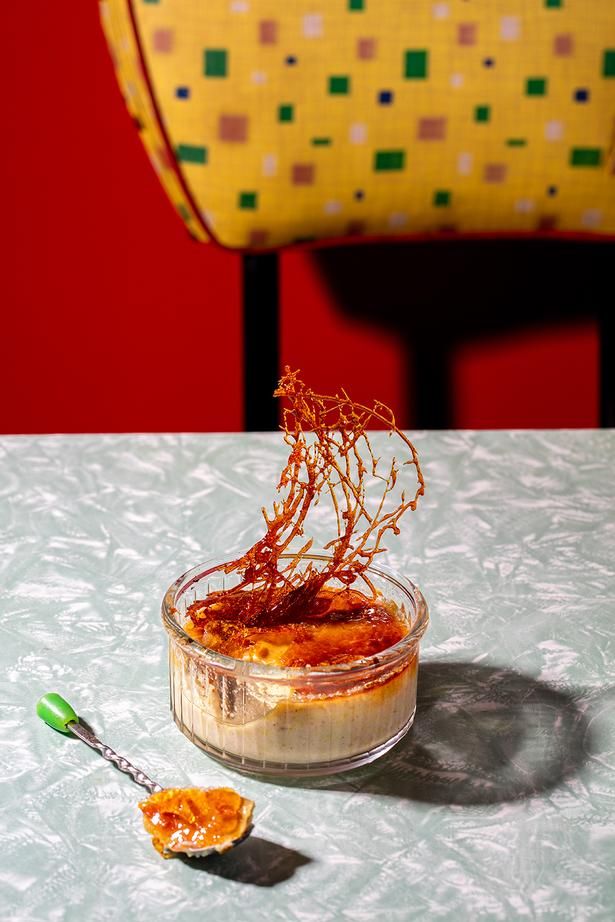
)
(373, 117)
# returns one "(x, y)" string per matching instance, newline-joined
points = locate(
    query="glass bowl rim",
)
(389, 656)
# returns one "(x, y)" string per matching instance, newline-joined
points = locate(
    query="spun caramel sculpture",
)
(331, 457)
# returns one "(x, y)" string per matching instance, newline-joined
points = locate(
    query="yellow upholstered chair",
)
(274, 122)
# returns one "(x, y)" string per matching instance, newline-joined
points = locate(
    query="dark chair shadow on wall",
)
(436, 295)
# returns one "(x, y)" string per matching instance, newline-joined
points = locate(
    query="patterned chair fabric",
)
(271, 122)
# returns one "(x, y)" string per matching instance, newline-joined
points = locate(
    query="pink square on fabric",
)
(164, 157)
(268, 32)
(163, 40)
(366, 48)
(467, 33)
(432, 129)
(233, 128)
(258, 237)
(495, 172)
(563, 45)
(547, 222)
(303, 174)
(354, 228)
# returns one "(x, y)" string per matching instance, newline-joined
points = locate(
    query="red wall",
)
(114, 320)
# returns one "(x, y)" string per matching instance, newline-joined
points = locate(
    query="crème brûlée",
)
(300, 719)
(340, 626)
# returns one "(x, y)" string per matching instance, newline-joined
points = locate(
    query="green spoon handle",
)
(58, 713)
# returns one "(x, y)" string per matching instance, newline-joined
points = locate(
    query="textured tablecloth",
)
(500, 804)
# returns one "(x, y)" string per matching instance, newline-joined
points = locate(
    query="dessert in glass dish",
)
(287, 661)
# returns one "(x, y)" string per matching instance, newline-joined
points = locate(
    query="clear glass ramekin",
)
(292, 721)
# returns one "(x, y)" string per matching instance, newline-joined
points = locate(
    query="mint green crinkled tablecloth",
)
(500, 804)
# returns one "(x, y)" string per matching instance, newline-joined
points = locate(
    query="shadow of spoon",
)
(256, 861)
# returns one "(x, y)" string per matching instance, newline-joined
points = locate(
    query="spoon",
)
(58, 713)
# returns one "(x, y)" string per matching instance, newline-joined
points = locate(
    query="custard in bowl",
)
(327, 693)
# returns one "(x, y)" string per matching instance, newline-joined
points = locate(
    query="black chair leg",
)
(260, 340)
(607, 375)
(431, 386)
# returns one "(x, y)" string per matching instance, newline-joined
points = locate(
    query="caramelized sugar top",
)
(340, 626)
(186, 819)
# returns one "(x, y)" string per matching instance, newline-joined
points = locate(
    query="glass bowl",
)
(273, 720)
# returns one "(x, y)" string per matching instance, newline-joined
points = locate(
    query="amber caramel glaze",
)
(341, 626)
(190, 819)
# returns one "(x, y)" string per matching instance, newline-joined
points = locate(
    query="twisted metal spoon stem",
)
(111, 755)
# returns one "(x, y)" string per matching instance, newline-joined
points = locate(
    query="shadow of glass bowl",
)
(483, 735)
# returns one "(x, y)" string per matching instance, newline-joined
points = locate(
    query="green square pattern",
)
(339, 86)
(554, 4)
(482, 113)
(416, 64)
(536, 86)
(248, 201)
(385, 160)
(356, 6)
(286, 113)
(585, 156)
(516, 142)
(441, 198)
(321, 142)
(191, 153)
(608, 64)
(215, 62)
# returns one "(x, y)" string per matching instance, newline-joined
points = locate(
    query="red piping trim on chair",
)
(163, 131)
(431, 237)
